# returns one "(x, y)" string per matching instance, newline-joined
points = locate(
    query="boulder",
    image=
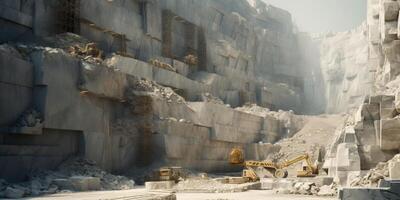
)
(394, 170)
(326, 190)
(14, 193)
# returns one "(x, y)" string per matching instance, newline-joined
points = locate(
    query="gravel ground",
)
(143, 195)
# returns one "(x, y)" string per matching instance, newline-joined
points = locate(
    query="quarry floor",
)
(250, 195)
(141, 194)
(317, 130)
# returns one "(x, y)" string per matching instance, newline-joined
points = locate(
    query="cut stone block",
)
(371, 155)
(63, 184)
(366, 135)
(350, 138)
(131, 66)
(366, 194)
(83, 183)
(394, 170)
(347, 158)
(285, 184)
(388, 31)
(397, 102)
(341, 177)
(370, 112)
(358, 117)
(182, 68)
(390, 10)
(269, 137)
(387, 107)
(374, 36)
(268, 184)
(271, 124)
(391, 51)
(159, 185)
(390, 134)
(349, 130)
(375, 99)
(330, 165)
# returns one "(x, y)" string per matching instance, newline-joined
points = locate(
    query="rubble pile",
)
(371, 179)
(287, 119)
(76, 46)
(162, 65)
(72, 175)
(73, 44)
(10, 49)
(155, 90)
(309, 188)
(30, 118)
(89, 52)
(254, 109)
(65, 41)
(191, 59)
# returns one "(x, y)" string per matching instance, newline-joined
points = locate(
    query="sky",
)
(324, 15)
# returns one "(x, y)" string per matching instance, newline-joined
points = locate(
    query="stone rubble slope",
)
(313, 138)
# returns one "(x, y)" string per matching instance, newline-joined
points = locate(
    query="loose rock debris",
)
(309, 188)
(73, 175)
(371, 179)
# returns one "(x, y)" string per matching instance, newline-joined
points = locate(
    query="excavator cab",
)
(236, 157)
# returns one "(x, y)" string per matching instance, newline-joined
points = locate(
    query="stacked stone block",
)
(383, 23)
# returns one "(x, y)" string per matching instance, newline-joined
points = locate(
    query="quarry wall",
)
(164, 87)
(56, 103)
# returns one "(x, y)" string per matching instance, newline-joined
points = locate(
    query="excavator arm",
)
(236, 157)
(294, 161)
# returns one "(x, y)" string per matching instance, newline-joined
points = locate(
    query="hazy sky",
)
(324, 15)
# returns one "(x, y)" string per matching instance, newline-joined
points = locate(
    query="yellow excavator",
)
(236, 157)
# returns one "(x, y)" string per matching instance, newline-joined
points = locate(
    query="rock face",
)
(344, 65)
(375, 128)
